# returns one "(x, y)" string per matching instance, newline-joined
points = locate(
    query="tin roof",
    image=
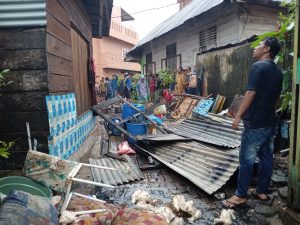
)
(126, 171)
(22, 13)
(32, 13)
(195, 8)
(209, 131)
(207, 167)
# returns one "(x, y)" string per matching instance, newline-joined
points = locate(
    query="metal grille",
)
(208, 38)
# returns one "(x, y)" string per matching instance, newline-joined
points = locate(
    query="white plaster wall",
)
(186, 37)
(256, 20)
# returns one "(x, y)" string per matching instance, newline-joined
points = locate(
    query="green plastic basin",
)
(24, 184)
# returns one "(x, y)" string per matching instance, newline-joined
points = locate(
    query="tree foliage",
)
(167, 77)
(285, 34)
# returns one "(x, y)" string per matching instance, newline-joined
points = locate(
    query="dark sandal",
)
(232, 205)
(256, 196)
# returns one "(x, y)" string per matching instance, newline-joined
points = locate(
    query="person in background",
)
(128, 86)
(187, 73)
(108, 89)
(258, 114)
(152, 87)
(180, 81)
(142, 89)
(120, 88)
(172, 85)
(114, 84)
(200, 79)
(97, 89)
(158, 91)
(102, 89)
(192, 88)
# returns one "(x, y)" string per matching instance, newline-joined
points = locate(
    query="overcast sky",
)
(145, 21)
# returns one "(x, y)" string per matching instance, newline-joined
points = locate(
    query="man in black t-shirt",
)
(258, 114)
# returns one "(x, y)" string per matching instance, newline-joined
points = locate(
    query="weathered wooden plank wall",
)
(227, 71)
(59, 49)
(68, 58)
(24, 53)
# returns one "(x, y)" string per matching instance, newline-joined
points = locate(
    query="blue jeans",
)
(256, 143)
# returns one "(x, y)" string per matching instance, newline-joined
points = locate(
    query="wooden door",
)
(80, 72)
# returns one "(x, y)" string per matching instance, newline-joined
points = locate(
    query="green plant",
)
(167, 77)
(135, 79)
(285, 33)
(3, 78)
(4, 147)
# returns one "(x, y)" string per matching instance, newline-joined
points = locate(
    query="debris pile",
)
(226, 217)
(174, 212)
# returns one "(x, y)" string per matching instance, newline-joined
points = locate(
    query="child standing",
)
(152, 87)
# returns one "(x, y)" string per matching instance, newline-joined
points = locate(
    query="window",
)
(208, 39)
(171, 63)
(171, 50)
(171, 60)
(150, 66)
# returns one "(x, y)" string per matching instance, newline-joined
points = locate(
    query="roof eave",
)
(100, 14)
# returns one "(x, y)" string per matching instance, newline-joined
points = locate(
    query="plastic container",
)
(114, 130)
(24, 184)
(127, 111)
(136, 129)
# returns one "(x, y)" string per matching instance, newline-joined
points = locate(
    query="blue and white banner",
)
(67, 131)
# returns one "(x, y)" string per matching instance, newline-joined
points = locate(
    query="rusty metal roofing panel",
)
(22, 13)
(209, 131)
(126, 171)
(207, 167)
(195, 8)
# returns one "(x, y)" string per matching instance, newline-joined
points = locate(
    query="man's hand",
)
(236, 122)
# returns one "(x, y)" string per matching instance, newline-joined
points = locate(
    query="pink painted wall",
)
(108, 52)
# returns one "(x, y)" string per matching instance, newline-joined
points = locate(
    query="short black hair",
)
(274, 45)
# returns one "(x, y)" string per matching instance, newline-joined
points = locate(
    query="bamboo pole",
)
(88, 197)
(91, 182)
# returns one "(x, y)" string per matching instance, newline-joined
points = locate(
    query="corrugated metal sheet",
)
(162, 137)
(126, 171)
(211, 132)
(195, 8)
(207, 167)
(22, 13)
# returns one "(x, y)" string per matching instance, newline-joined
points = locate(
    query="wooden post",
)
(294, 160)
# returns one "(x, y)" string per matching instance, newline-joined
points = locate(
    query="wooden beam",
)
(294, 160)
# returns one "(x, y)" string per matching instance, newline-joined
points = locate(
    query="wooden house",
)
(191, 36)
(47, 45)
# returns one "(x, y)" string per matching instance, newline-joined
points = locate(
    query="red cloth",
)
(152, 85)
(167, 95)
